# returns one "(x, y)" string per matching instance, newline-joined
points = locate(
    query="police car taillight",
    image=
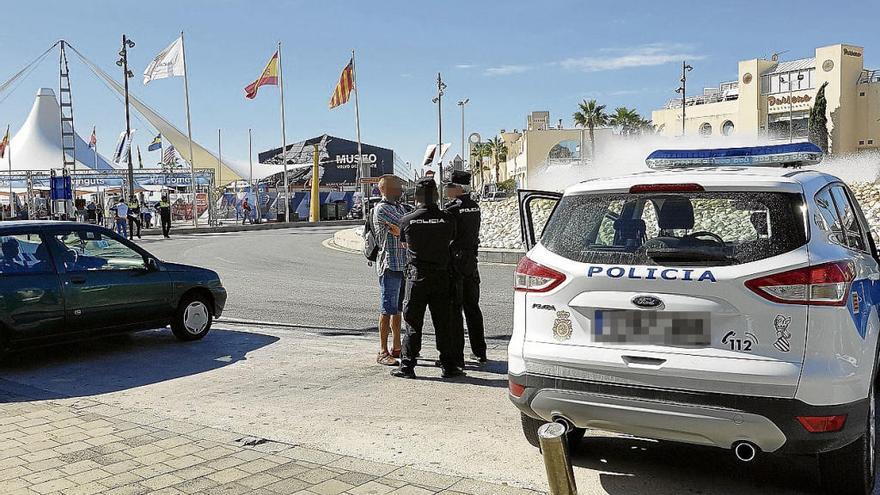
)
(535, 277)
(827, 284)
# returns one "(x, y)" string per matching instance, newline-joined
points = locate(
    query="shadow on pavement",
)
(119, 363)
(635, 466)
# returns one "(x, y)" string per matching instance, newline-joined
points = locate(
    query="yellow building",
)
(540, 144)
(772, 99)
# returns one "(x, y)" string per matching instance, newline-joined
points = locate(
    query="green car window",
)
(23, 253)
(89, 251)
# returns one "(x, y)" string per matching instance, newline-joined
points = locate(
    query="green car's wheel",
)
(193, 318)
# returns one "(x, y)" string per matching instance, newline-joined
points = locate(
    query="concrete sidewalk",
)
(83, 447)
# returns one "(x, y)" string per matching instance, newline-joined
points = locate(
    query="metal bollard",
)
(555, 450)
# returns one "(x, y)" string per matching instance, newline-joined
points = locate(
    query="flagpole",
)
(192, 165)
(283, 137)
(9, 162)
(357, 123)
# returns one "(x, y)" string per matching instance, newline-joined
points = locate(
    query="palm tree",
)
(478, 152)
(627, 119)
(498, 151)
(590, 114)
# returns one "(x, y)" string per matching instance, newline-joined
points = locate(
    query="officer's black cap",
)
(459, 178)
(425, 185)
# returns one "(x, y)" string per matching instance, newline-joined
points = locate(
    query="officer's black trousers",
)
(466, 299)
(426, 288)
(133, 221)
(166, 224)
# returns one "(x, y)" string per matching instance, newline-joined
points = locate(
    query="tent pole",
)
(9, 162)
(192, 165)
(283, 138)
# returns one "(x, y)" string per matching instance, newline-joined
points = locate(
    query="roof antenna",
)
(775, 56)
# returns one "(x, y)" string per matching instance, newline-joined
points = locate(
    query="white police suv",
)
(726, 298)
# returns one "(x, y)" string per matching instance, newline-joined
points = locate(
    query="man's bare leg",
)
(395, 331)
(385, 329)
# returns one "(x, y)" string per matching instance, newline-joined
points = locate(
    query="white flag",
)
(168, 63)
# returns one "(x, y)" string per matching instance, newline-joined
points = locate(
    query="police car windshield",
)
(678, 229)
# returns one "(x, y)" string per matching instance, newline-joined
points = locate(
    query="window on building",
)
(727, 128)
(788, 81)
(861, 142)
(861, 93)
(870, 141)
(705, 129)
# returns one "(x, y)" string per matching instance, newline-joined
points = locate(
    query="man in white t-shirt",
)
(121, 218)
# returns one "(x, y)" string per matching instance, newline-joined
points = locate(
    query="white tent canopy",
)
(37, 144)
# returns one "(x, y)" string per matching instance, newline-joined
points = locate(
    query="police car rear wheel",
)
(851, 469)
(530, 427)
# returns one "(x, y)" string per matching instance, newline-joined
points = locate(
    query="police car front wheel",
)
(851, 469)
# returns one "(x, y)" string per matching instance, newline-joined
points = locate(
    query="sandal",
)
(385, 359)
(395, 353)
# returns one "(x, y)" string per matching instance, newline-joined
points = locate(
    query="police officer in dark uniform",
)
(464, 271)
(427, 233)
(134, 218)
(165, 216)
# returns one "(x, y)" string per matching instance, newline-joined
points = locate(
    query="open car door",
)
(535, 208)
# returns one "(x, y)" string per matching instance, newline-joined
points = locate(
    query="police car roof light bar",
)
(776, 155)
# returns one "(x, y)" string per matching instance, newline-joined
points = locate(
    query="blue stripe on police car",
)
(651, 273)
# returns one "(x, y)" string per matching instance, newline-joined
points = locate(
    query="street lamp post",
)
(685, 68)
(800, 77)
(462, 103)
(123, 62)
(441, 88)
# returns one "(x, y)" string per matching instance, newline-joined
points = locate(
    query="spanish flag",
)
(343, 89)
(5, 143)
(269, 77)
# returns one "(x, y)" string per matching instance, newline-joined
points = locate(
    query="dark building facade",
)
(338, 164)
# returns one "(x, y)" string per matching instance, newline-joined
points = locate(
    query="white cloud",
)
(507, 70)
(465, 66)
(638, 56)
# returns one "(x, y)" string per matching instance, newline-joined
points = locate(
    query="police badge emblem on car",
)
(562, 326)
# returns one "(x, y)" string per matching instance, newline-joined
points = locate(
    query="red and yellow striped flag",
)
(5, 143)
(343, 90)
(269, 77)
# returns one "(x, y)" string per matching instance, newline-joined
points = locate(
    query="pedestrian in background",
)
(121, 210)
(246, 212)
(148, 215)
(426, 233)
(390, 265)
(464, 271)
(165, 216)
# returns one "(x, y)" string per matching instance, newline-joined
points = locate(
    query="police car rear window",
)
(676, 229)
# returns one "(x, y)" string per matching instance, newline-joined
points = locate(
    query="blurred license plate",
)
(652, 327)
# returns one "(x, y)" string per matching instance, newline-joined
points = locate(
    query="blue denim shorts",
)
(391, 292)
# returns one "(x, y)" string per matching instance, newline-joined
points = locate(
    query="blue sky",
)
(508, 57)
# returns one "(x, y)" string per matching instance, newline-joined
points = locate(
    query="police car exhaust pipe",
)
(745, 451)
(554, 448)
(569, 426)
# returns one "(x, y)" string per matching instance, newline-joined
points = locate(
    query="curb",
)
(350, 241)
(244, 228)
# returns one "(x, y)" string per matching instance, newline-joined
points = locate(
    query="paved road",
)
(320, 388)
(289, 276)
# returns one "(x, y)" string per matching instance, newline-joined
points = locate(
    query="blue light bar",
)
(777, 155)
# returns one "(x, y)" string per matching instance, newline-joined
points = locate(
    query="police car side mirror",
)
(151, 265)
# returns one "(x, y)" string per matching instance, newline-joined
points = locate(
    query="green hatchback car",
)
(65, 281)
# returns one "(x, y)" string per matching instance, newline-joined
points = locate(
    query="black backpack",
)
(371, 247)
